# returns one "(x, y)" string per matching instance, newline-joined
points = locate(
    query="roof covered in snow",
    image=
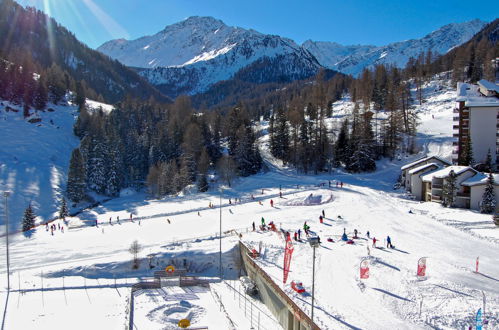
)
(443, 173)
(473, 98)
(422, 160)
(489, 85)
(480, 179)
(423, 167)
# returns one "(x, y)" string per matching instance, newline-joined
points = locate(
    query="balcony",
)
(437, 186)
(463, 195)
(436, 198)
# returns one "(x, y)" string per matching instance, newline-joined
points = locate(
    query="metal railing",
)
(259, 319)
(297, 311)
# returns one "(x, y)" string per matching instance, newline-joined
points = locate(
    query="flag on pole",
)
(422, 267)
(287, 257)
(364, 269)
(476, 264)
(479, 322)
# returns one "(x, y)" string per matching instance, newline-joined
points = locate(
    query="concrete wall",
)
(290, 316)
(483, 129)
(417, 186)
(477, 194)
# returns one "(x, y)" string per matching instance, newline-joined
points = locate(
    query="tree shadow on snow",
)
(393, 295)
(337, 318)
(455, 291)
(29, 233)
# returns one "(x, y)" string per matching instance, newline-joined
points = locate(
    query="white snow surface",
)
(78, 268)
(34, 157)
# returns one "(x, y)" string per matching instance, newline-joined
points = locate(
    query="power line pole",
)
(6, 194)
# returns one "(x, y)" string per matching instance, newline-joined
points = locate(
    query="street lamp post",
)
(314, 243)
(220, 252)
(6, 194)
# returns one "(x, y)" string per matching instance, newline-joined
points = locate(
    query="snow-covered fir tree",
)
(96, 166)
(76, 177)
(488, 203)
(63, 209)
(449, 189)
(203, 183)
(28, 218)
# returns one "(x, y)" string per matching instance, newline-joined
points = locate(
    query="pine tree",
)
(488, 162)
(40, 98)
(466, 157)
(96, 166)
(76, 177)
(114, 172)
(63, 210)
(341, 146)
(488, 203)
(449, 189)
(28, 218)
(203, 183)
(247, 156)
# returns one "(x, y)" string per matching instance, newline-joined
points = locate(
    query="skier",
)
(118, 218)
(230, 202)
(263, 222)
(168, 221)
(355, 233)
(329, 181)
(299, 234)
(262, 191)
(368, 234)
(388, 242)
(253, 226)
(319, 239)
(344, 237)
(131, 219)
(109, 220)
(341, 184)
(296, 236)
(320, 218)
(47, 226)
(336, 184)
(280, 194)
(323, 214)
(374, 242)
(271, 203)
(62, 229)
(199, 214)
(252, 197)
(306, 228)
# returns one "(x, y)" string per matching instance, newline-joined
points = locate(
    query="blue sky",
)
(346, 22)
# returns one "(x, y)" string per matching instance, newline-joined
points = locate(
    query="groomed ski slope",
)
(79, 267)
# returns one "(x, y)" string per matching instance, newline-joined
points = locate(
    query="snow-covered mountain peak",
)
(353, 59)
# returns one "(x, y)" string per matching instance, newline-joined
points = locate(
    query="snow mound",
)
(127, 192)
(310, 200)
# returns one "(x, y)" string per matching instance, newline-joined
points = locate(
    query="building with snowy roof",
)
(476, 118)
(406, 178)
(433, 184)
(476, 186)
(416, 182)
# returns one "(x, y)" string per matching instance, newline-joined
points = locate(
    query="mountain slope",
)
(353, 59)
(27, 32)
(190, 56)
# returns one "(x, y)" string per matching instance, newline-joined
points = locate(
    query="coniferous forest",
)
(147, 140)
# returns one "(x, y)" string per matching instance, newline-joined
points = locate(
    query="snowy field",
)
(392, 296)
(82, 276)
